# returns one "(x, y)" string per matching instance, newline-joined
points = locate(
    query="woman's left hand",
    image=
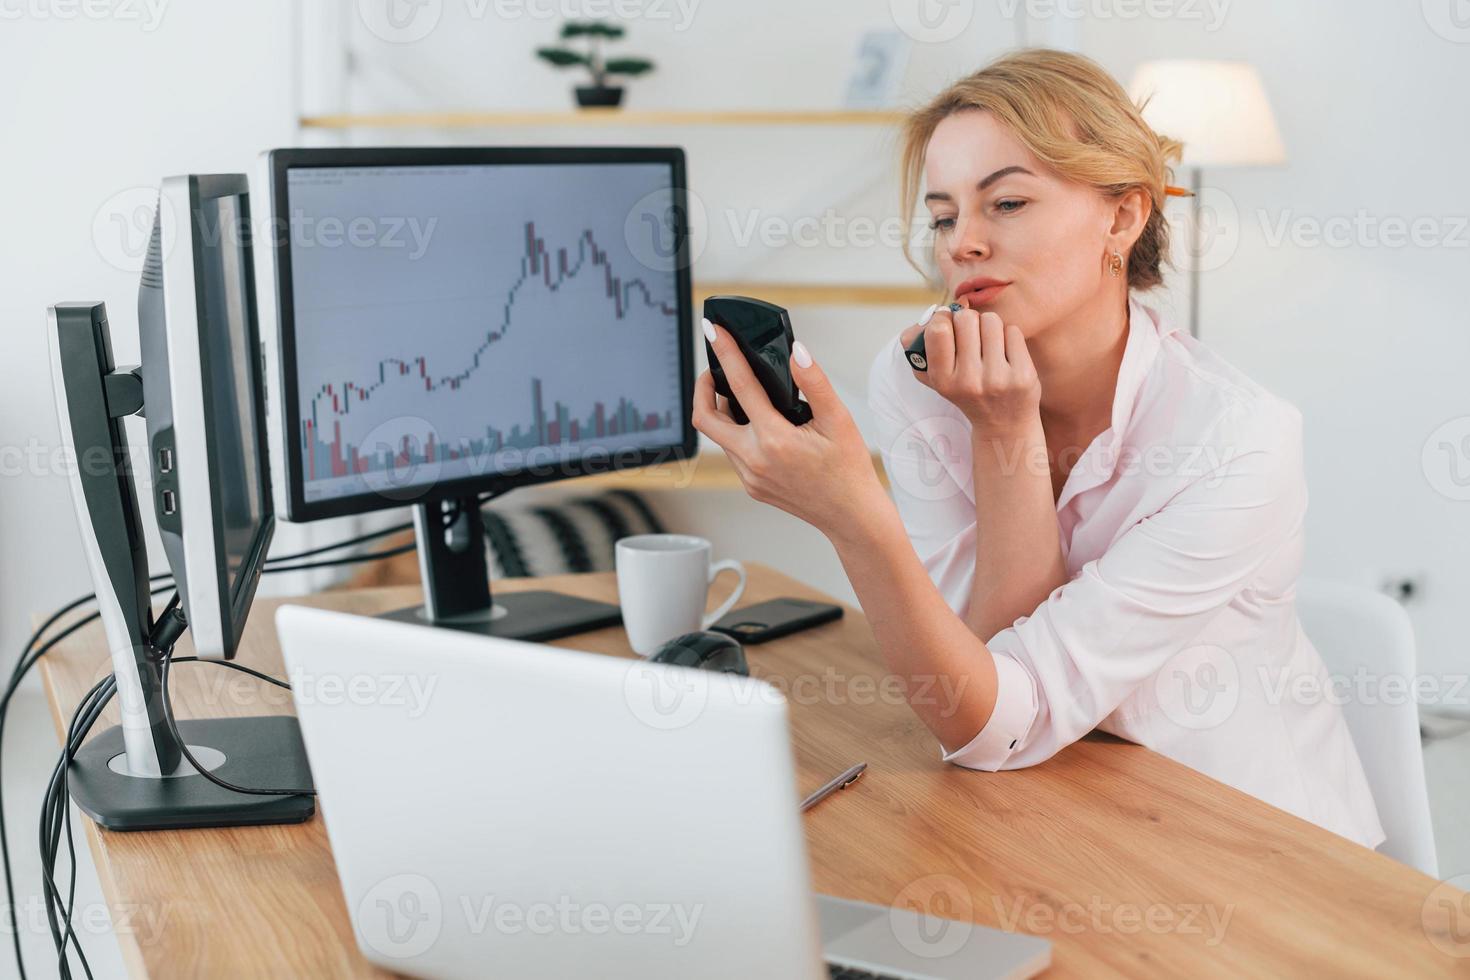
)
(821, 472)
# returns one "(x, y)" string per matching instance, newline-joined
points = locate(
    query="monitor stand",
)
(133, 775)
(451, 538)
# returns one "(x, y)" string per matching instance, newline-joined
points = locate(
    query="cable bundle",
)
(56, 808)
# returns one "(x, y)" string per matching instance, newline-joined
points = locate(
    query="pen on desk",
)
(842, 781)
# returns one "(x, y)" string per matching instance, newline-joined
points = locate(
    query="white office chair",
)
(1353, 629)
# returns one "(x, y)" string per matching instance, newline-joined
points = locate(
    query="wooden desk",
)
(1128, 862)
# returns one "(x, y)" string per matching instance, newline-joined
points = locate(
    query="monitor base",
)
(529, 616)
(261, 751)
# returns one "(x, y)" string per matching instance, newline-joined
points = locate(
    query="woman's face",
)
(1009, 234)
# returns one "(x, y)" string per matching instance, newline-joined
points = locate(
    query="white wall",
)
(95, 111)
(1370, 338)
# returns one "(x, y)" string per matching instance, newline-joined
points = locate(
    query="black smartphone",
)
(775, 617)
(763, 333)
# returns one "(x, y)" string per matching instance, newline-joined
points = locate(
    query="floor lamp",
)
(1220, 111)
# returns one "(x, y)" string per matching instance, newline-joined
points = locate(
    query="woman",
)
(1096, 522)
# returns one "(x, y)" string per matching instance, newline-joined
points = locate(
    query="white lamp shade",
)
(1217, 108)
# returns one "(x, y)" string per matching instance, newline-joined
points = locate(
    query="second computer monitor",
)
(456, 320)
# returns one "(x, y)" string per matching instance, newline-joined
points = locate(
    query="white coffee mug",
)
(663, 585)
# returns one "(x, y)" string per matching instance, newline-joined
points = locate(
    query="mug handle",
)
(728, 565)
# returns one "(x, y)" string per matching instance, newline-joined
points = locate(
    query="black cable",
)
(168, 576)
(173, 730)
(360, 539)
(349, 560)
(64, 803)
(30, 654)
(54, 808)
(21, 668)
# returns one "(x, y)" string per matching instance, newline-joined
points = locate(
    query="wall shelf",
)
(819, 294)
(782, 294)
(481, 119)
(711, 471)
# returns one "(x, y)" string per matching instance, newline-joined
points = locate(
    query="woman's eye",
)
(1010, 205)
(941, 224)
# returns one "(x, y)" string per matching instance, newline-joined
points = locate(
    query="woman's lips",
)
(982, 295)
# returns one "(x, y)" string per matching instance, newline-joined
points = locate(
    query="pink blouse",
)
(1181, 526)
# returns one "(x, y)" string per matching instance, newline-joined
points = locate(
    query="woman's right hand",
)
(980, 365)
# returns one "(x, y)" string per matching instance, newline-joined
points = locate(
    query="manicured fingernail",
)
(928, 314)
(709, 329)
(802, 355)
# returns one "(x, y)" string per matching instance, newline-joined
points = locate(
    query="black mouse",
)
(706, 650)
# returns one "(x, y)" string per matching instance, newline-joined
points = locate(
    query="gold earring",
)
(1115, 265)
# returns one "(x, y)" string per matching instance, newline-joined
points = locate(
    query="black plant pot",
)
(599, 95)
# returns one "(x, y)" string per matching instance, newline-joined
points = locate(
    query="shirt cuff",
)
(1015, 709)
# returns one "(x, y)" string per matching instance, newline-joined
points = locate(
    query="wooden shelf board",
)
(820, 294)
(471, 119)
(707, 471)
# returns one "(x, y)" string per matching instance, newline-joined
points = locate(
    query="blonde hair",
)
(1076, 119)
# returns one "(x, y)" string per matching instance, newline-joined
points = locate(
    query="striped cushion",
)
(574, 536)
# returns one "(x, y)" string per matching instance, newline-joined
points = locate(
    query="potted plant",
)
(599, 93)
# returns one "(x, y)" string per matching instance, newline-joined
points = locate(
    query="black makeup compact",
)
(763, 333)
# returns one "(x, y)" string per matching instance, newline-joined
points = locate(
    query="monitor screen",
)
(229, 388)
(458, 322)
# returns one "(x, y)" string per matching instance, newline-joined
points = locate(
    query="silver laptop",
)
(520, 810)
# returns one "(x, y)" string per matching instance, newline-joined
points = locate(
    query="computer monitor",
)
(450, 323)
(203, 379)
(200, 388)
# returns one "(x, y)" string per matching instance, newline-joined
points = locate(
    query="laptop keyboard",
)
(835, 972)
